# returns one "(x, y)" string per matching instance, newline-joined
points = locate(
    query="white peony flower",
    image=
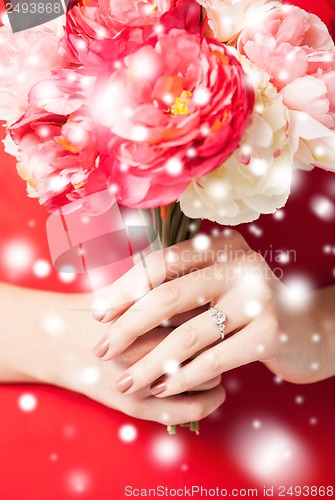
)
(26, 57)
(313, 142)
(256, 179)
(227, 18)
(10, 147)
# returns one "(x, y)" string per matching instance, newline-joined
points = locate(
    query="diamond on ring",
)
(219, 318)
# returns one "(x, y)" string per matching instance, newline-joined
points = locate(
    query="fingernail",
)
(158, 388)
(101, 348)
(124, 383)
(98, 315)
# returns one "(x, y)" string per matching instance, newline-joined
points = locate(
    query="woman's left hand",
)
(260, 322)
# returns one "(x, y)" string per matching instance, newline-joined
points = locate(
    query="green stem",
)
(177, 215)
(195, 427)
(157, 220)
(195, 228)
(166, 226)
(183, 229)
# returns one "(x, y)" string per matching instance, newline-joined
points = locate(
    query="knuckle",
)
(211, 363)
(197, 411)
(254, 265)
(168, 293)
(266, 293)
(182, 383)
(189, 337)
(240, 258)
(259, 258)
(122, 333)
(254, 258)
(166, 418)
(236, 239)
(216, 380)
(152, 260)
(263, 293)
(271, 323)
(155, 268)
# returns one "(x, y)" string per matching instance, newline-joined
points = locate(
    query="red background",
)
(69, 447)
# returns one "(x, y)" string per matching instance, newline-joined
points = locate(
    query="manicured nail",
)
(124, 383)
(158, 388)
(101, 348)
(98, 315)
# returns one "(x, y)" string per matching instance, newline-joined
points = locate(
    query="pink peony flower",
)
(281, 40)
(64, 92)
(98, 32)
(311, 100)
(26, 58)
(56, 150)
(314, 92)
(297, 50)
(173, 110)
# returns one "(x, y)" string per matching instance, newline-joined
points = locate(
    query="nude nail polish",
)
(101, 349)
(124, 383)
(158, 388)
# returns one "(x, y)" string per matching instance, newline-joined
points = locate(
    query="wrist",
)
(66, 339)
(19, 339)
(308, 352)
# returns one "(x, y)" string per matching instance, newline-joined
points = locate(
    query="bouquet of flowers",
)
(190, 109)
(202, 110)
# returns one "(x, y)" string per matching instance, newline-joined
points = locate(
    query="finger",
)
(208, 385)
(143, 346)
(169, 299)
(179, 319)
(181, 345)
(244, 347)
(181, 409)
(178, 260)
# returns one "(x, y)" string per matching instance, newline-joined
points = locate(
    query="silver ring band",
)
(219, 318)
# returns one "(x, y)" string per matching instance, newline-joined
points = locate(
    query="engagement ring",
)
(219, 318)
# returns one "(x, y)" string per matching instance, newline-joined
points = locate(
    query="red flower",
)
(55, 138)
(174, 110)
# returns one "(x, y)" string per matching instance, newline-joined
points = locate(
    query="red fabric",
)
(69, 446)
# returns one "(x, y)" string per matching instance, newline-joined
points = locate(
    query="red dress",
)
(267, 433)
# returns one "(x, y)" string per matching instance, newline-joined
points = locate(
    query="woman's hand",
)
(205, 399)
(261, 324)
(48, 337)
